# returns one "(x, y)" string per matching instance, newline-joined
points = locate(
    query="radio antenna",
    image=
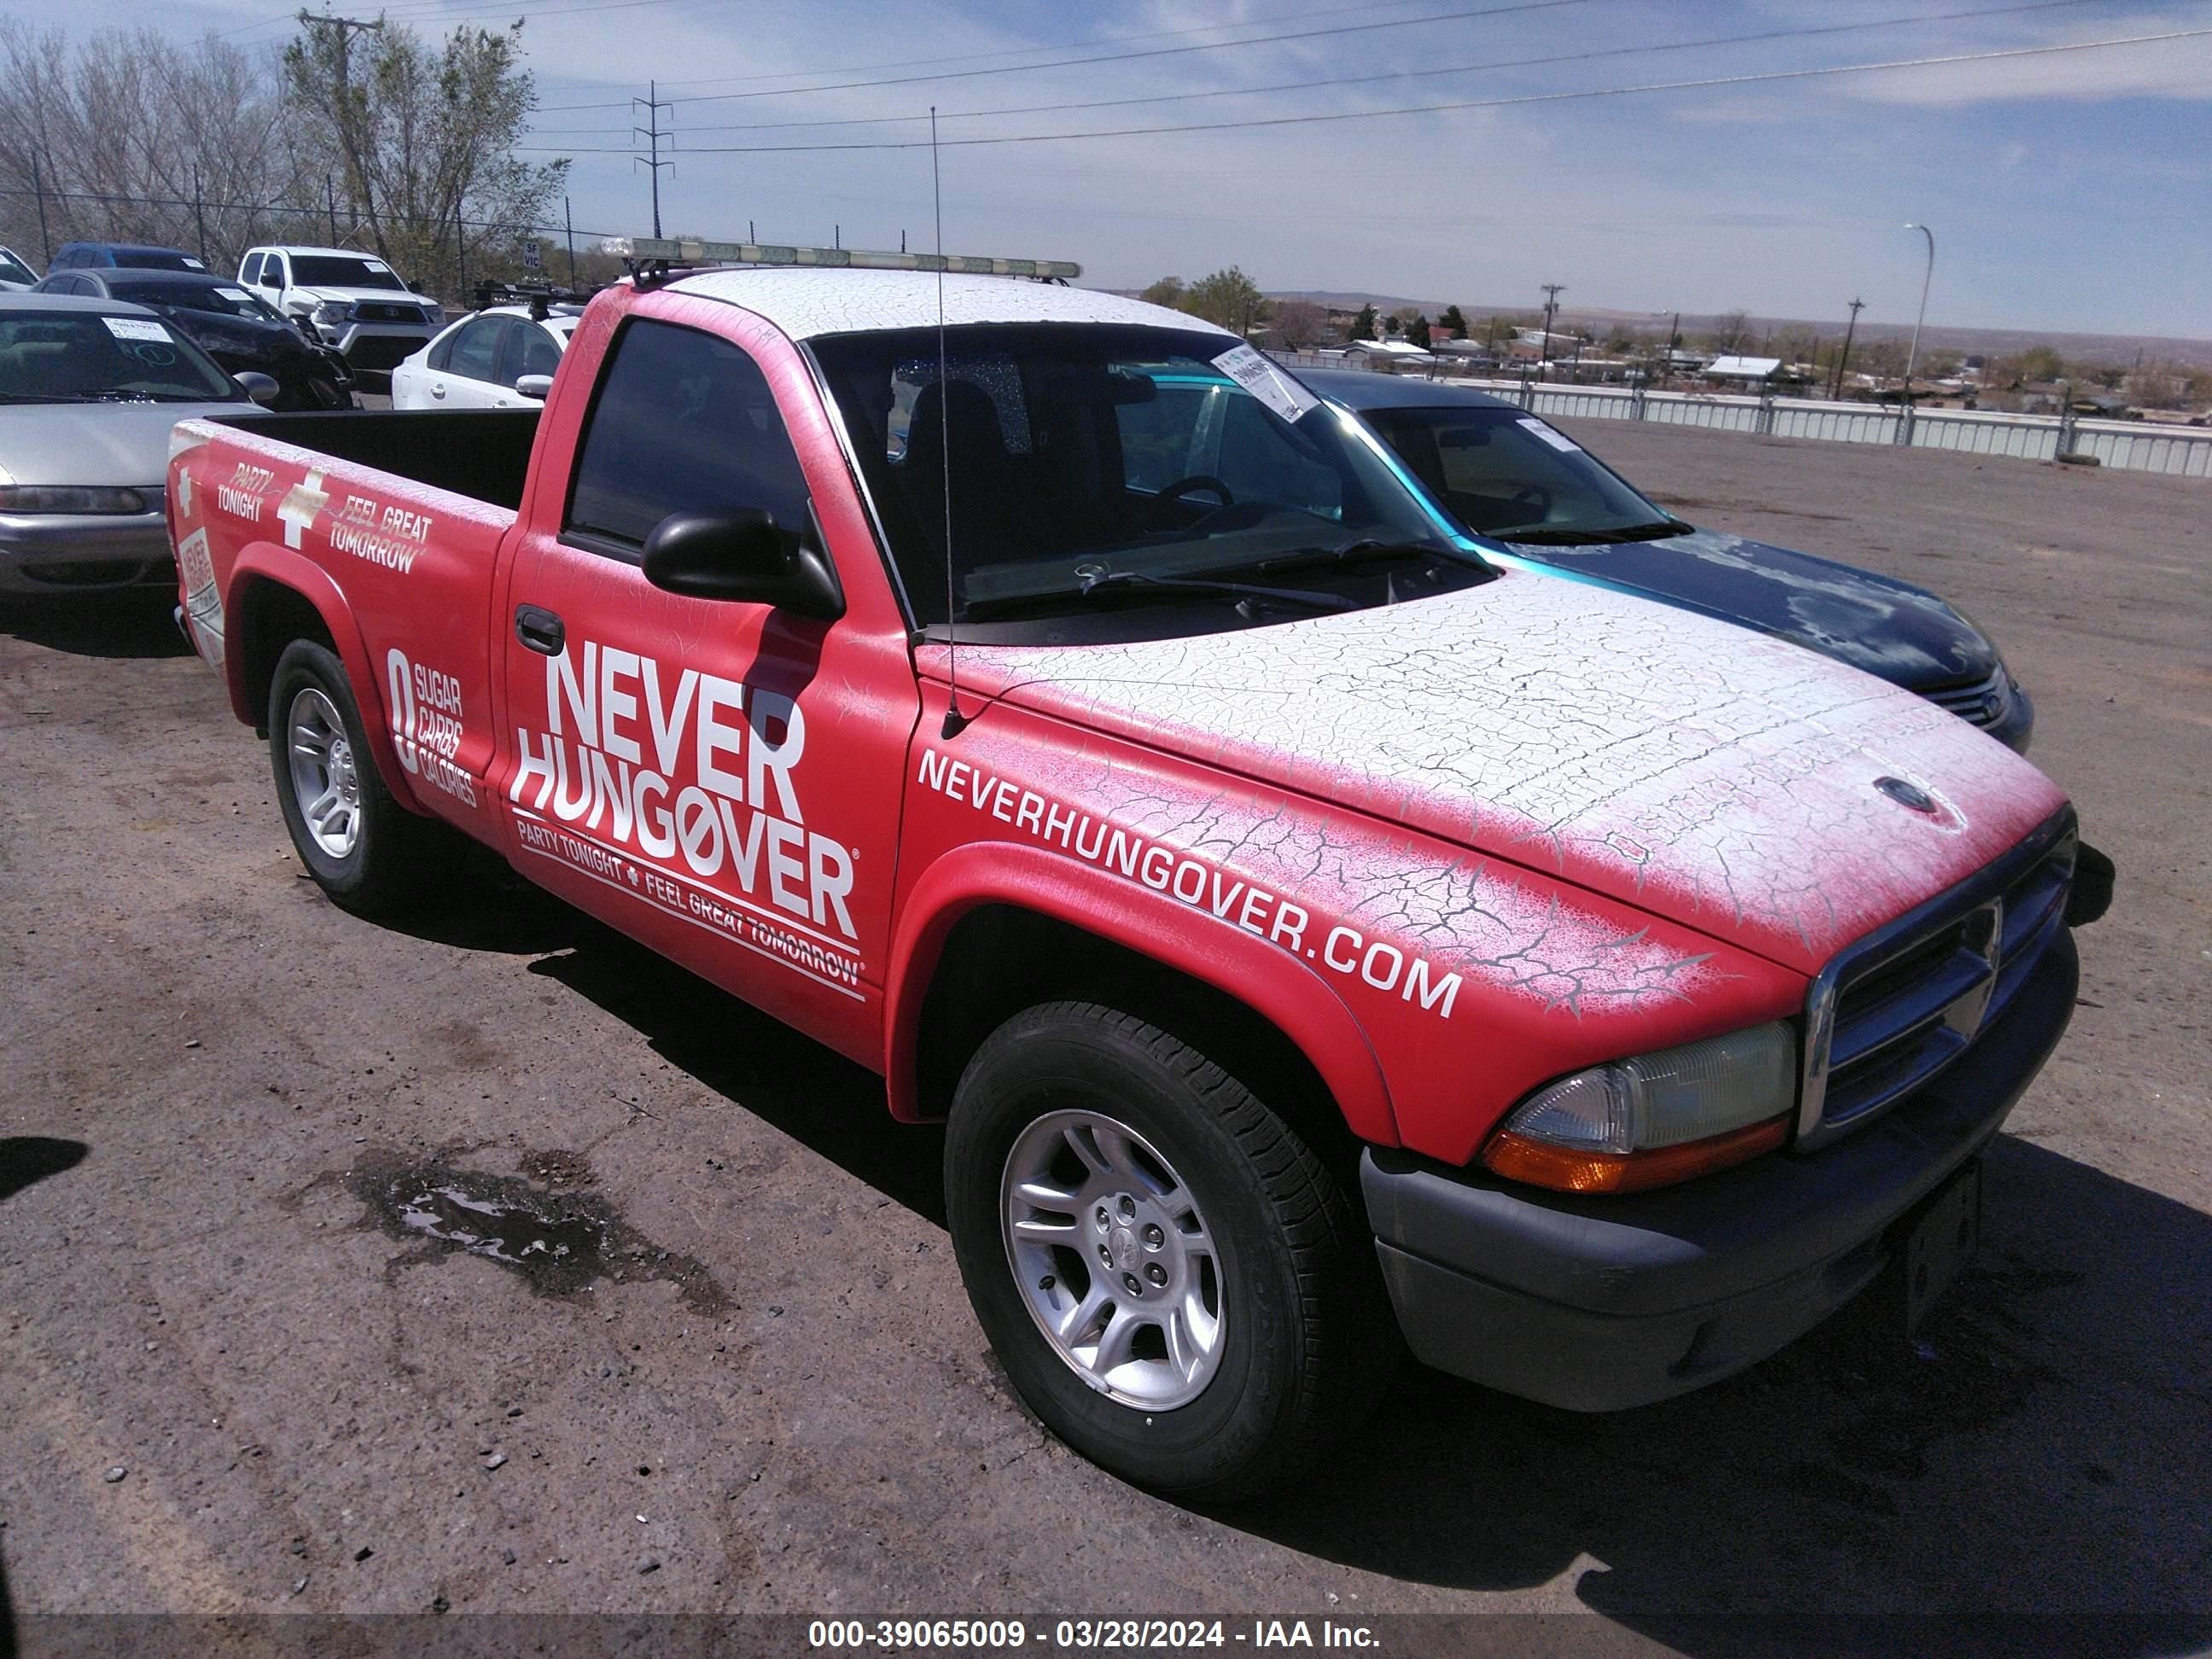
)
(954, 719)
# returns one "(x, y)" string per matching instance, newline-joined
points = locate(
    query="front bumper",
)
(56, 553)
(1599, 1303)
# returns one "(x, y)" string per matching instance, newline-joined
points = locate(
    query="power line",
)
(1428, 109)
(422, 15)
(1389, 75)
(1108, 57)
(1017, 51)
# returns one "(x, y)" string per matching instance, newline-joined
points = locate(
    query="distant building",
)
(1750, 370)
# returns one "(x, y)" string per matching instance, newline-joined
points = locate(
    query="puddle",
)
(561, 1242)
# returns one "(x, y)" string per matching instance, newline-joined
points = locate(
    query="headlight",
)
(1655, 1119)
(68, 498)
(333, 312)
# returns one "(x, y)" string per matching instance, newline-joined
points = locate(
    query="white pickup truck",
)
(348, 299)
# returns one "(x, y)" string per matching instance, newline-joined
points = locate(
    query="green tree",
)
(1362, 325)
(1229, 298)
(1453, 320)
(425, 137)
(1169, 291)
(1418, 330)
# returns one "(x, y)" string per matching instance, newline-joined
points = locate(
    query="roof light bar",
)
(684, 251)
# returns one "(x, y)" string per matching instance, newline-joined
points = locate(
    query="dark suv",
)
(132, 255)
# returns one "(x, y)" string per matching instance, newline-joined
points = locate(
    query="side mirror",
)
(743, 555)
(534, 385)
(256, 385)
(272, 278)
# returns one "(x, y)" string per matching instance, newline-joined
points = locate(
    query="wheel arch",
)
(990, 929)
(276, 597)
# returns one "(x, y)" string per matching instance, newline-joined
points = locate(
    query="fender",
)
(280, 567)
(1228, 959)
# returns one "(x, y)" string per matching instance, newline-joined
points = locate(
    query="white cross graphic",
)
(184, 495)
(301, 505)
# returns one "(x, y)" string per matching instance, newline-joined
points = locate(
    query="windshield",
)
(13, 270)
(1507, 474)
(61, 357)
(155, 258)
(219, 298)
(338, 271)
(1086, 458)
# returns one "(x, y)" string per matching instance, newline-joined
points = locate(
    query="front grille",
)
(99, 573)
(1979, 703)
(1895, 1009)
(377, 311)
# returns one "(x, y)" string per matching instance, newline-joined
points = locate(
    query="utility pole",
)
(199, 215)
(358, 186)
(652, 134)
(1836, 391)
(39, 189)
(1551, 292)
(331, 200)
(569, 222)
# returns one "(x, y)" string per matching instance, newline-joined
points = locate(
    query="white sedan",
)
(502, 357)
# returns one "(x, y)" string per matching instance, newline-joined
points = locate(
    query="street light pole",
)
(1912, 354)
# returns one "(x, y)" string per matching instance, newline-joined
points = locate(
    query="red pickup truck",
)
(1306, 928)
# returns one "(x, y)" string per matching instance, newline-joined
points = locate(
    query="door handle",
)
(540, 629)
(437, 389)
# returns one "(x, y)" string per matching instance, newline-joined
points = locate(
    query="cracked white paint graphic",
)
(183, 493)
(302, 503)
(1682, 765)
(807, 303)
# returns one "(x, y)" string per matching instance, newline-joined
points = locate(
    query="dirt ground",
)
(228, 1108)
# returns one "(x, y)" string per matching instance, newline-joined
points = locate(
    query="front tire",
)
(1174, 1281)
(369, 854)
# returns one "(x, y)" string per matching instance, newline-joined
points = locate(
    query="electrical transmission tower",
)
(653, 134)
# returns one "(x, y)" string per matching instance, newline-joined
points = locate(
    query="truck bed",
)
(484, 453)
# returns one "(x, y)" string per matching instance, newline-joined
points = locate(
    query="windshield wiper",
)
(1356, 552)
(1565, 537)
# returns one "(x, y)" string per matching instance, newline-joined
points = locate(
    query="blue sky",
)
(2067, 191)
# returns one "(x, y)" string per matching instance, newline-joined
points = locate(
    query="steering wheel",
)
(1536, 501)
(1182, 486)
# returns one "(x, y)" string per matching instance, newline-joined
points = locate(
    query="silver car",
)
(89, 389)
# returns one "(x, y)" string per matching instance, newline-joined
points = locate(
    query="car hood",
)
(1905, 635)
(123, 444)
(357, 295)
(1723, 779)
(238, 337)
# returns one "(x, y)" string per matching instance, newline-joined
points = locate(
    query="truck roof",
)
(809, 303)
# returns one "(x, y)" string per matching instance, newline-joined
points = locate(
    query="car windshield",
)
(220, 298)
(1507, 474)
(1081, 459)
(83, 356)
(13, 270)
(157, 258)
(340, 271)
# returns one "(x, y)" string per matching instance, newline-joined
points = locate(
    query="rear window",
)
(157, 258)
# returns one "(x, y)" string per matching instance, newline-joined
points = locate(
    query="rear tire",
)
(369, 854)
(1175, 1283)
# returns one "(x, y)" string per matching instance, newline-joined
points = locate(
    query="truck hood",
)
(1719, 778)
(1905, 635)
(371, 296)
(93, 444)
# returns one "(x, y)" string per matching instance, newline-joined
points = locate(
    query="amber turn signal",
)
(1565, 1170)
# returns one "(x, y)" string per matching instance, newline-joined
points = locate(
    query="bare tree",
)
(1732, 333)
(1299, 323)
(129, 137)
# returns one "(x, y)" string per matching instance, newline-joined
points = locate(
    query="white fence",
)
(2179, 452)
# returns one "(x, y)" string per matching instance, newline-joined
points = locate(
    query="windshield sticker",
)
(376, 266)
(235, 295)
(191, 264)
(1559, 440)
(136, 328)
(1251, 370)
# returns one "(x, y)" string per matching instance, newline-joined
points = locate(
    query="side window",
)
(251, 271)
(476, 349)
(272, 271)
(441, 354)
(682, 422)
